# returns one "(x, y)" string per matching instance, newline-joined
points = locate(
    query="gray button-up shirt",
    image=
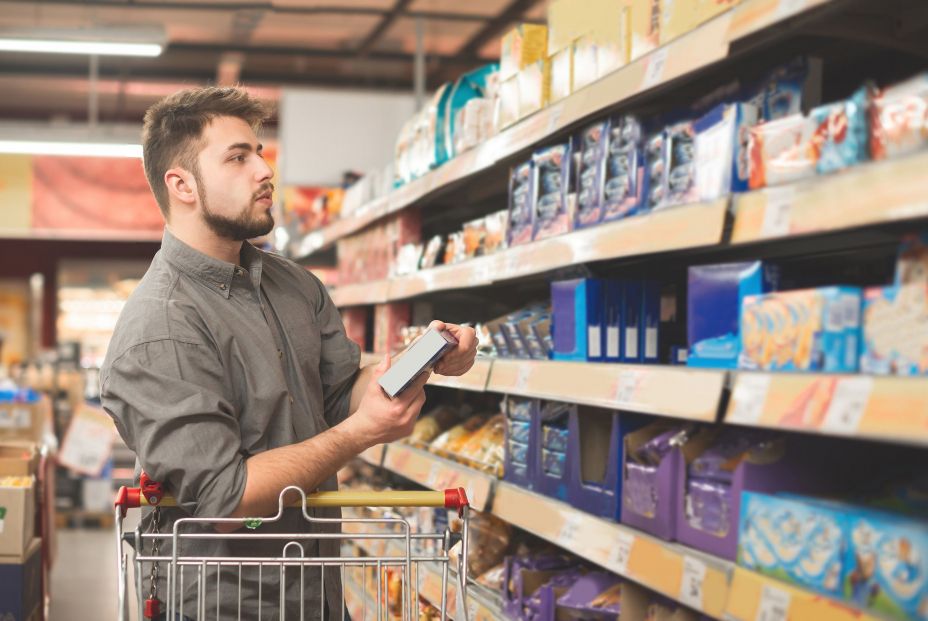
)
(211, 363)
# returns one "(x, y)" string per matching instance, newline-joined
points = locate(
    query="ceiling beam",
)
(260, 6)
(494, 28)
(381, 28)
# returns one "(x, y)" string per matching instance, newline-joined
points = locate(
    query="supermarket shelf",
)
(361, 294)
(698, 580)
(437, 473)
(689, 226)
(680, 392)
(707, 44)
(883, 408)
(753, 596)
(474, 380)
(867, 194)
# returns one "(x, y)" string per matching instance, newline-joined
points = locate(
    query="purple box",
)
(578, 600)
(519, 414)
(524, 576)
(553, 481)
(576, 319)
(595, 451)
(781, 466)
(661, 480)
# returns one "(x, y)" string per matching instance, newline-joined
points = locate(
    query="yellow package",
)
(522, 46)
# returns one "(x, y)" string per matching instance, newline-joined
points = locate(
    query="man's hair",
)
(173, 129)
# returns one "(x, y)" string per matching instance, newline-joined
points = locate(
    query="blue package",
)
(552, 197)
(624, 171)
(521, 208)
(788, 89)
(843, 133)
(520, 409)
(632, 307)
(518, 348)
(722, 153)
(714, 299)
(576, 319)
(650, 321)
(471, 85)
(519, 431)
(553, 462)
(680, 154)
(656, 161)
(518, 453)
(613, 313)
(555, 438)
(592, 146)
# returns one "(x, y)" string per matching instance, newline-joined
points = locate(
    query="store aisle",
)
(83, 581)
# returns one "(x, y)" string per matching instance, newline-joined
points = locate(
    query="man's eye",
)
(238, 158)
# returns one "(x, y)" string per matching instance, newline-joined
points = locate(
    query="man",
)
(229, 373)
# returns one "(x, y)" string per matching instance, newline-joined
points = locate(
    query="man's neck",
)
(209, 244)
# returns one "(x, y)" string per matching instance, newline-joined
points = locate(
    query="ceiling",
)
(264, 44)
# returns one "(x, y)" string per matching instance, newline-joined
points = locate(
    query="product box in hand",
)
(592, 145)
(900, 118)
(803, 330)
(895, 330)
(576, 315)
(782, 151)
(522, 46)
(17, 514)
(623, 178)
(842, 136)
(715, 294)
(722, 156)
(21, 583)
(554, 198)
(521, 207)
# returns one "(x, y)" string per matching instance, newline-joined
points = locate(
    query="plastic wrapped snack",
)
(900, 118)
(431, 425)
(451, 440)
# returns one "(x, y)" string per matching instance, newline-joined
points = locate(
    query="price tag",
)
(88, 442)
(627, 385)
(570, 529)
(748, 398)
(622, 552)
(788, 8)
(848, 405)
(774, 604)
(654, 73)
(525, 372)
(777, 212)
(694, 575)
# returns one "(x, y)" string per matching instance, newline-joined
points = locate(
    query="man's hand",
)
(379, 418)
(459, 360)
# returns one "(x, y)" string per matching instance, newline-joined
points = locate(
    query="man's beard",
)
(240, 228)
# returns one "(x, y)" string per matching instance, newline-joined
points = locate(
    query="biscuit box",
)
(895, 330)
(622, 183)
(553, 201)
(899, 118)
(592, 155)
(521, 209)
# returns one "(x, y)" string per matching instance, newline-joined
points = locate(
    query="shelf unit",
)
(688, 54)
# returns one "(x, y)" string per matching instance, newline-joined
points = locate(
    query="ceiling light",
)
(60, 46)
(88, 149)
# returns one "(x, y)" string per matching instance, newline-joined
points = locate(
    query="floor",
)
(83, 581)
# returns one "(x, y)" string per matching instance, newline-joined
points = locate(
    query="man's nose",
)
(264, 171)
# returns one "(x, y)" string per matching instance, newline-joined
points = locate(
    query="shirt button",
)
(240, 272)
(222, 286)
(291, 398)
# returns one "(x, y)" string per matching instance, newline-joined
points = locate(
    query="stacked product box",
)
(522, 441)
(553, 468)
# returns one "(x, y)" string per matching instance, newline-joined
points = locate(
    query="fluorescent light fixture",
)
(89, 149)
(60, 46)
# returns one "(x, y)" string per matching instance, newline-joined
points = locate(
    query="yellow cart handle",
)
(151, 493)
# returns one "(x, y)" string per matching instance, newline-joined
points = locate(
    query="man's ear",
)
(181, 185)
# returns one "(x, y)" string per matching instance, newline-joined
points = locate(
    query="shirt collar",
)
(216, 274)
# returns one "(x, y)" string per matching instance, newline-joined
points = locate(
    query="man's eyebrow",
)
(245, 146)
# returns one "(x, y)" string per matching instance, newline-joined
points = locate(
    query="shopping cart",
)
(402, 555)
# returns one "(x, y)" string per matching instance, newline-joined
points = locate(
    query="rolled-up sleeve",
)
(339, 361)
(166, 398)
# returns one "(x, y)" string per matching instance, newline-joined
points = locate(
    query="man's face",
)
(234, 181)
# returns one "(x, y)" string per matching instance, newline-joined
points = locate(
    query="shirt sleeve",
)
(166, 398)
(340, 359)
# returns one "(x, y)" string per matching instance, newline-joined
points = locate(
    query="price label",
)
(525, 372)
(774, 604)
(622, 552)
(777, 212)
(570, 529)
(748, 398)
(788, 8)
(627, 385)
(654, 73)
(848, 405)
(694, 575)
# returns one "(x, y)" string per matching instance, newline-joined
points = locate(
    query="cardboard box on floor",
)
(17, 516)
(18, 458)
(21, 583)
(25, 421)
